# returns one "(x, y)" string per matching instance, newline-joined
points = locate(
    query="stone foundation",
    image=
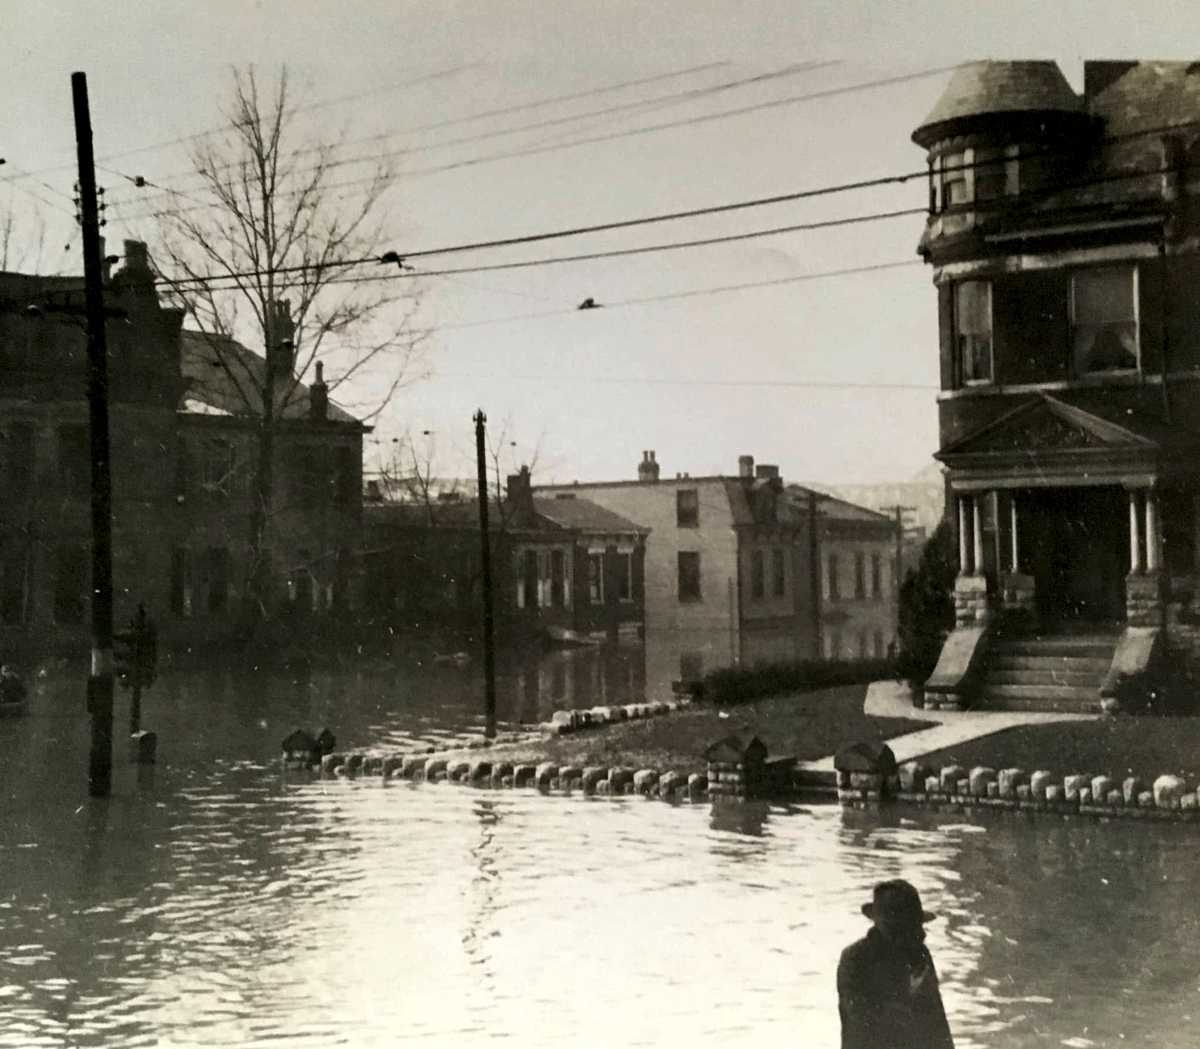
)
(1144, 599)
(971, 607)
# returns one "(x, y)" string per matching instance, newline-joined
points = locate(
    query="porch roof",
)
(1073, 440)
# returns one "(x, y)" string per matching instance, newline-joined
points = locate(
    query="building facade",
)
(563, 568)
(727, 567)
(1062, 235)
(183, 455)
(859, 566)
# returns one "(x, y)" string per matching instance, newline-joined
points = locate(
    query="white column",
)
(977, 559)
(1012, 513)
(1152, 536)
(1135, 546)
(962, 535)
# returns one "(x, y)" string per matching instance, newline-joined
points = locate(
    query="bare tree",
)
(19, 248)
(260, 254)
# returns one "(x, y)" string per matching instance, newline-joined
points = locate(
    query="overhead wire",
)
(656, 102)
(628, 132)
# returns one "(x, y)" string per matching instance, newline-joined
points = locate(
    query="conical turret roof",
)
(980, 89)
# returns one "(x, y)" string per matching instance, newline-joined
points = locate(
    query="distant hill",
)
(925, 492)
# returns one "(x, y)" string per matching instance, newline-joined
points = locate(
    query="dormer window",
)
(954, 180)
(973, 331)
(1104, 320)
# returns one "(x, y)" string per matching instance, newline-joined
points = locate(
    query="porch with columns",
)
(997, 580)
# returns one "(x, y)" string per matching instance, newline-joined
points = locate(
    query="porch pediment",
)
(1047, 426)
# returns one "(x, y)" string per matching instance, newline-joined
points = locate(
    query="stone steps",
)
(1045, 676)
(1061, 674)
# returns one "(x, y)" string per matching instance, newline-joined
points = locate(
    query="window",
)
(1104, 321)
(757, 574)
(70, 584)
(218, 466)
(595, 564)
(691, 666)
(877, 644)
(687, 508)
(558, 577)
(876, 575)
(860, 575)
(74, 459)
(13, 591)
(527, 579)
(181, 585)
(689, 575)
(832, 589)
(835, 645)
(995, 173)
(779, 572)
(973, 330)
(863, 651)
(216, 564)
(954, 175)
(345, 478)
(624, 577)
(19, 446)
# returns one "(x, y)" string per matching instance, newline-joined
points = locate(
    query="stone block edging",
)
(954, 788)
(667, 784)
(564, 722)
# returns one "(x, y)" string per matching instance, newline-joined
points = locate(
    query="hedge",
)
(741, 684)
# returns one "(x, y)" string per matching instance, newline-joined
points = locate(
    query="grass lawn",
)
(805, 725)
(1122, 746)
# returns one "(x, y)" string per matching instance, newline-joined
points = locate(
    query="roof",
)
(980, 88)
(831, 508)
(582, 515)
(1149, 94)
(201, 358)
(566, 515)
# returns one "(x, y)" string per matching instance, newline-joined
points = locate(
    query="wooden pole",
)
(485, 564)
(100, 680)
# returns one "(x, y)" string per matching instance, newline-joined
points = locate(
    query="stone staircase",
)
(1053, 674)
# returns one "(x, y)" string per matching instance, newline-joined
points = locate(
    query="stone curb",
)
(564, 722)
(954, 788)
(668, 785)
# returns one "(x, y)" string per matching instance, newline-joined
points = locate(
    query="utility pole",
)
(485, 564)
(814, 557)
(100, 680)
(899, 512)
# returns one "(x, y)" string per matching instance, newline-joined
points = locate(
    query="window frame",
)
(624, 574)
(960, 369)
(860, 575)
(778, 572)
(595, 577)
(876, 574)
(692, 595)
(1135, 300)
(758, 574)
(687, 517)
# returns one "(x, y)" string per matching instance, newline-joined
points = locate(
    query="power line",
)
(208, 282)
(808, 384)
(655, 102)
(611, 136)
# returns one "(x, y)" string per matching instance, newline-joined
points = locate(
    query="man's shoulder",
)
(858, 950)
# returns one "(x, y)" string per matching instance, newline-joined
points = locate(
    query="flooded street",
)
(220, 901)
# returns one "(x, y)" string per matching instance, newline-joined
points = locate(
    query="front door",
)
(1078, 553)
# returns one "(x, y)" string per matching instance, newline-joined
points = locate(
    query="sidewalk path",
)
(948, 728)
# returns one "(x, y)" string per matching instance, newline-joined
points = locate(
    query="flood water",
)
(223, 902)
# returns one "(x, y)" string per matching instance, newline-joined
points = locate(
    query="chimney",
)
(746, 466)
(519, 490)
(1099, 75)
(766, 472)
(136, 270)
(281, 350)
(318, 395)
(648, 468)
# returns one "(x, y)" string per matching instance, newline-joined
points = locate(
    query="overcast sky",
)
(700, 377)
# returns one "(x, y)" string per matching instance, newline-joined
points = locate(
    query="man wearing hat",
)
(888, 993)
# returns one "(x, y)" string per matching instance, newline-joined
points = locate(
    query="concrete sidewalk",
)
(948, 728)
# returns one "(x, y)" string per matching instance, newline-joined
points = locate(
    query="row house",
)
(728, 567)
(859, 570)
(184, 451)
(1064, 244)
(563, 567)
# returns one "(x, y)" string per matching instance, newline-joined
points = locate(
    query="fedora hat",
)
(897, 899)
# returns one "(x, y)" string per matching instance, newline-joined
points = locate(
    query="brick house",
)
(858, 574)
(181, 458)
(728, 567)
(561, 566)
(1062, 235)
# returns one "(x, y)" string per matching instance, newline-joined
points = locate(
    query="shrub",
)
(742, 684)
(927, 607)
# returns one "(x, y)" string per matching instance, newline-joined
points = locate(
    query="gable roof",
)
(582, 515)
(1048, 423)
(204, 358)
